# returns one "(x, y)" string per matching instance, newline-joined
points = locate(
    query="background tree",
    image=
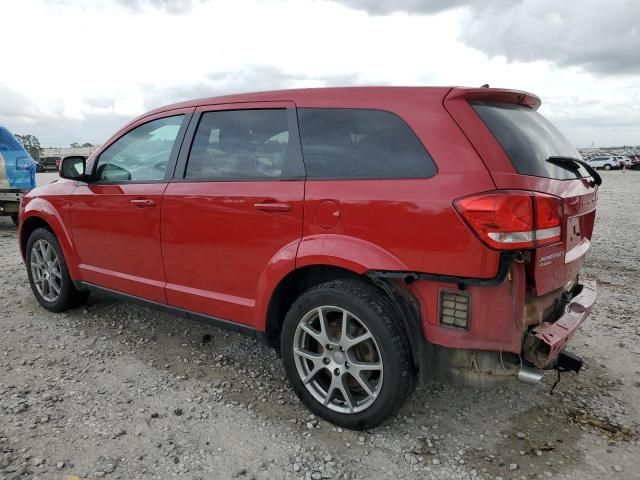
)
(31, 144)
(87, 144)
(75, 145)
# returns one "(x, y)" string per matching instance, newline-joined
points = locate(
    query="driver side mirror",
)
(73, 168)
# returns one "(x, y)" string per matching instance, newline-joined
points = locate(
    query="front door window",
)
(142, 154)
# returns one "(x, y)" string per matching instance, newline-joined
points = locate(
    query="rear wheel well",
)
(301, 280)
(294, 285)
(28, 227)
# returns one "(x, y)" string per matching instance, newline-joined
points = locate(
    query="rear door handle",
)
(143, 202)
(272, 207)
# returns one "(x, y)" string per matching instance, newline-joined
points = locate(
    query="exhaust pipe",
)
(530, 376)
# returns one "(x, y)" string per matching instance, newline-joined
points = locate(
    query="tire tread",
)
(378, 302)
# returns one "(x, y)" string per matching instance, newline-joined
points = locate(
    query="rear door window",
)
(244, 145)
(529, 140)
(351, 143)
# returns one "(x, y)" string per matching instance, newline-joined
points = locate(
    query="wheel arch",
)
(30, 225)
(41, 214)
(291, 286)
(298, 281)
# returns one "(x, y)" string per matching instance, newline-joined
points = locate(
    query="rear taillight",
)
(510, 220)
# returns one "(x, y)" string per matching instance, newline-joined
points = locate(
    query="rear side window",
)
(359, 144)
(243, 145)
(529, 140)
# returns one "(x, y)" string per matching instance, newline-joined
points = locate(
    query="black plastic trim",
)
(506, 259)
(180, 312)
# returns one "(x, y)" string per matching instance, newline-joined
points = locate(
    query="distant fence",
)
(66, 151)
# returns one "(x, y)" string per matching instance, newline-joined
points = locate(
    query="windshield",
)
(529, 140)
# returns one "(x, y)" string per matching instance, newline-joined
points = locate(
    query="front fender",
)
(44, 210)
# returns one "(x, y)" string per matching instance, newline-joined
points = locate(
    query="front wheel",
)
(607, 167)
(48, 273)
(345, 354)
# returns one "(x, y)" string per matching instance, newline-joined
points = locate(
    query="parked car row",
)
(613, 162)
(51, 163)
(48, 163)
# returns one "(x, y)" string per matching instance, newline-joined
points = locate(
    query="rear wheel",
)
(14, 219)
(48, 273)
(345, 354)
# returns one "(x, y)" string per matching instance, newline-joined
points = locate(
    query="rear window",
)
(529, 140)
(352, 143)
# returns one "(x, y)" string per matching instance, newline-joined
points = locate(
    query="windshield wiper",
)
(574, 164)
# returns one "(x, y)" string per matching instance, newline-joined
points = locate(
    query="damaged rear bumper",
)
(545, 341)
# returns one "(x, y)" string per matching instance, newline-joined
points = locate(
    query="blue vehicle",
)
(17, 174)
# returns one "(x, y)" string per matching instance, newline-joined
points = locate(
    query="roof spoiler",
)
(484, 94)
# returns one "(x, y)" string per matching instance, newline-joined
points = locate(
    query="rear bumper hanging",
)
(545, 342)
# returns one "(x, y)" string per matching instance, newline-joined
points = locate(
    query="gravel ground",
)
(119, 391)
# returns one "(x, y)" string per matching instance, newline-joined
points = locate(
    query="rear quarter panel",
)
(551, 266)
(413, 220)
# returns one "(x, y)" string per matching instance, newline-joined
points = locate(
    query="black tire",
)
(14, 219)
(69, 296)
(374, 310)
(607, 167)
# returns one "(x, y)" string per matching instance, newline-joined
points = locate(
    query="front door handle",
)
(143, 202)
(272, 207)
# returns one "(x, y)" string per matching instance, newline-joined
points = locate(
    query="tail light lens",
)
(511, 220)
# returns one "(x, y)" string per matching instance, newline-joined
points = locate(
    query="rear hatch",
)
(524, 152)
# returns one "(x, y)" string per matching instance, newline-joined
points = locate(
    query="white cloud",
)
(603, 38)
(83, 68)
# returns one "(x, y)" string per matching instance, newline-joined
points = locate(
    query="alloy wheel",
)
(45, 270)
(338, 359)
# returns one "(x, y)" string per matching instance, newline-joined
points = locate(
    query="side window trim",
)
(173, 157)
(180, 165)
(180, 172)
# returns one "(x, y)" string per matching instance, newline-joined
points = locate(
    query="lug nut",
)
(341, 349)
(346, 364)
(329, 347)
(326, 361)
(336, 372)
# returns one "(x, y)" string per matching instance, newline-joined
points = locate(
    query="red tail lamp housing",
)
(512, 219)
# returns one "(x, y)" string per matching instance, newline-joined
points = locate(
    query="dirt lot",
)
(119, 391)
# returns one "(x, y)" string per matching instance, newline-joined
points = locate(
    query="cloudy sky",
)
(76, 70)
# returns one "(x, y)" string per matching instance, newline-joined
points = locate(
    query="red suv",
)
(375, 236)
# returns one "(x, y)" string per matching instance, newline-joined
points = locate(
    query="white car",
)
(623, 161)
(604, 162)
